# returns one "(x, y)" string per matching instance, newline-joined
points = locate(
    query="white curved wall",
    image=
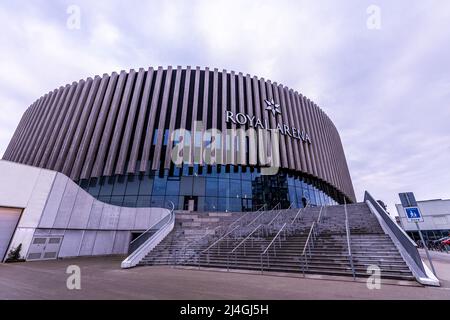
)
(54, 205)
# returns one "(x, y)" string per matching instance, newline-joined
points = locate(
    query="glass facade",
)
(211, 188)
(429, 235)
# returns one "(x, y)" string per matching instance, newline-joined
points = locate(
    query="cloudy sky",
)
(384, 82)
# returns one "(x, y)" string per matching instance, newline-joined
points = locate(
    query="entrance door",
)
(44, 248)
(9, 218)
(247, 204)
(190, 203)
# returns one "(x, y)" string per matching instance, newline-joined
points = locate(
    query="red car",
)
(446, 242)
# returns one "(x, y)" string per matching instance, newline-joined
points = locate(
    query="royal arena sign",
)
(256, 123)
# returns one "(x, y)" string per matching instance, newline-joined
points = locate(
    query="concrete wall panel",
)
(54, 202)
(88, 241)
(104, 243)
(66, 207)
(70, 246)
(121, 242)
(81, 211)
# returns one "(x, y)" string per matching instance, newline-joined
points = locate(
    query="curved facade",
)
(142, 137)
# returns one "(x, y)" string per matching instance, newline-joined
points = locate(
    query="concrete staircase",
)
(190, 227)
(205, 240)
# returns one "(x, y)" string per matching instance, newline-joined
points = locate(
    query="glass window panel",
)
(214, 171)
(132, 185)
(117, 200)
(130, 201)
(84, 184)
(223, 204)
(146, 185)
(224, 188)
(120, 185)
(246, 189)
(235, 172)
(106, 186)
(292, 194)
(313, 199)
(186, 185)
(235, 189)
(173, 188)
(247, 175)
(291, 181)
(143, 201)
(235, 204)
(159, 186)
(157, 201)
(211, 203)
(316, 193)
(199, 186)
(256, 174)
(212, 187)
(94, 187)
(105, 199)
(166, 137)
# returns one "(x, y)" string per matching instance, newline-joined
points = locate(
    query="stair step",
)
(329, 254)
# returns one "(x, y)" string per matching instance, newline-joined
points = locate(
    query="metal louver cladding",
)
(120, 123)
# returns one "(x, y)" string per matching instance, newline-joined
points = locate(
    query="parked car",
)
(438, 244)
(438, 241)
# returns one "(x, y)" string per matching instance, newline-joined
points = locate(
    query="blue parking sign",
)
(413, 214)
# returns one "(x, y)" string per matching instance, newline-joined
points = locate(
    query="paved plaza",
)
(102, 278)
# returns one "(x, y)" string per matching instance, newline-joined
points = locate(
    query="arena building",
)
(206, 140)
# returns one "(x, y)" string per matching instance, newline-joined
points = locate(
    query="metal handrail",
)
(240, 244)
(260, 208)
(279, 212)
(265, 252)
(299, 211)
(273, 240)
(347, 230)
(309, 237)
(253, 221)
(295, 218)
(246, 238)
(320, 215)
(229, 232)
(218, 240)
(277, 206)
(152, 227)
(133, 258)
(232, 224)
(191, 243)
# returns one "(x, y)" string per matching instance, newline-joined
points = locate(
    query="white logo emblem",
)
(272, 106)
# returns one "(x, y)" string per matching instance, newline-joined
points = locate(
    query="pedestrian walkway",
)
(102, 278)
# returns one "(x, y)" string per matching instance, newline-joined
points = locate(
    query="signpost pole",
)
(426, 248)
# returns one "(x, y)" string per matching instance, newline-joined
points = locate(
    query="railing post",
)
(306, 262)
(261, 262)
(347, 229)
